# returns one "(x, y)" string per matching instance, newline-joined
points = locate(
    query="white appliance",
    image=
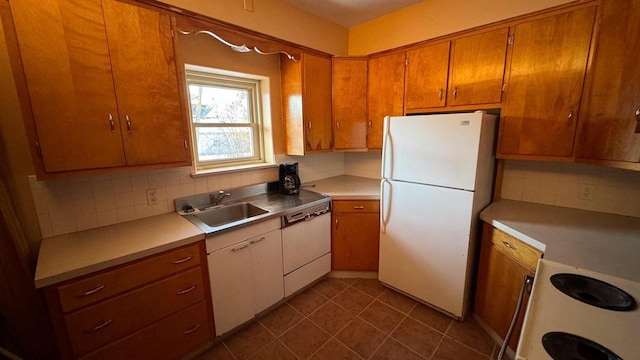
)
(437, 175)
(552, 311)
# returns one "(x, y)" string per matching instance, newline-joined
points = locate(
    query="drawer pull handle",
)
(359, 207)
(188, 290)
(99, 327)
(509, 246)
(90, 292)
(180, 261)
(240, 248)
(194, 328)
(257, 240)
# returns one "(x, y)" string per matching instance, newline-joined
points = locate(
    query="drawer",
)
(169, 338)
(512, 247)
(356, 206)
(113, 282)
(100, 324)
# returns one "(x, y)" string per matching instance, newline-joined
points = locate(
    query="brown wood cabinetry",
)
(355, 235)
(610, 115)
(477, 68)
(548, 64)
(158, 305)
(349, 103)
(385, 96)
(504, 262)
(426, 76)
(102, 84)
(306, 97)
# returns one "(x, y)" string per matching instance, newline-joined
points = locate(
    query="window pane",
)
(220, 105)
(224, 143)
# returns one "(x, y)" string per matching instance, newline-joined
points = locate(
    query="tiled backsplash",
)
(75, 204)
(577, 186)
(365, 164)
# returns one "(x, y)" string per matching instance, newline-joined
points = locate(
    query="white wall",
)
(365, 164)
(615, 191)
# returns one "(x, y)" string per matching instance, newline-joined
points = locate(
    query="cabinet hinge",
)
(172, 34)
(511, 39)
(504, 87)
(406, 61)
(38, 149)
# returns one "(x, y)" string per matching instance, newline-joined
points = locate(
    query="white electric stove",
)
(558, 326)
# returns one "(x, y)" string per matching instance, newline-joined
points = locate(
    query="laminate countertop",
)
(600, 242)
(346, 187)
(68, 256)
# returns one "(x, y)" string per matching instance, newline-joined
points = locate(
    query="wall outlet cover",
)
(152, 196)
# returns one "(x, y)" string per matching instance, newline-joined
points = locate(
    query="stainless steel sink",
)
(226, 214)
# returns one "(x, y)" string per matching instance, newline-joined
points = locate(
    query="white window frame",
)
(197, 75)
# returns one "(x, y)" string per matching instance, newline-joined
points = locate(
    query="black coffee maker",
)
(289, 179)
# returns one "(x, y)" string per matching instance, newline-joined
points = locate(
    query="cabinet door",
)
(385, 95)
(350, 103)
(66, 63)
(543, 96)
(426, 76)
(498, 287)
(266, 270)
(144, 71)
(317, 103)
(610, 119)
(231, 282)
(477, 68)
(355, 241)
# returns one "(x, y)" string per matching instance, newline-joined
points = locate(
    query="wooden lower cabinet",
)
(504, 262)
(355, 235)
(158, 307)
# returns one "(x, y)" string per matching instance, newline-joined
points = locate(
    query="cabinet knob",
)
(570, 119)
(638, 121)
(455, 92)
(337, 223)
(337, 125)
(112, 124)
(509, 246)
(309, 125)
(370, 124)
(440, 93)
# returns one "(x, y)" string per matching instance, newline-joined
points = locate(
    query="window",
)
(226, 119)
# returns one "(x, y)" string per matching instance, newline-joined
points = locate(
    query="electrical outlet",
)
(152, 196)
(585, 192)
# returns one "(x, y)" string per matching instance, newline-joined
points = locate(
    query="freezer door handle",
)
(387, 143)
(385, 206)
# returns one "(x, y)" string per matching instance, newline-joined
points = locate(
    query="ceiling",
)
(351, 12)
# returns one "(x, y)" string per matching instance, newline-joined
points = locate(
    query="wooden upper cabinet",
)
(610, 116)
(426, 76)
(306, 97)
(66, 62)
(102, 83)
(547, 69)
(477, 68)
(385, 96)
(350, 103)
(144, 72)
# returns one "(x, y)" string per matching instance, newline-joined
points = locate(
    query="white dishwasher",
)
(306, 245)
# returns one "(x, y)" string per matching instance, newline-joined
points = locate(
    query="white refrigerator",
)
(437, 175)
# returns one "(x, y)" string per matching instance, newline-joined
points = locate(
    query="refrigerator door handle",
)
(387, 143)
(385, 206)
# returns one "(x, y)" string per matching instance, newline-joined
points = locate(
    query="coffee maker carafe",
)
(289, 179)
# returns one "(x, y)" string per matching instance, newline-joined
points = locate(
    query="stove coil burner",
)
(563, 346)
(593, 292)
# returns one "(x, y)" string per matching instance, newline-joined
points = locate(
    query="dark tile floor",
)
(355, 319)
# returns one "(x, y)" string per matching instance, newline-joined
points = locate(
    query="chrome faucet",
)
(216, 199)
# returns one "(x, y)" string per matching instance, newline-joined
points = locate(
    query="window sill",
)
(232, 169)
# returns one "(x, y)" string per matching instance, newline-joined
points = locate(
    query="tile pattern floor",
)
(345, 319)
